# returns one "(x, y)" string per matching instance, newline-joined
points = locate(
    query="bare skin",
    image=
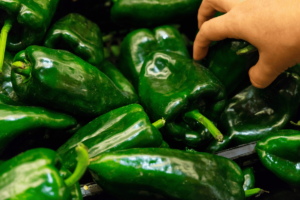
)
(273, 26)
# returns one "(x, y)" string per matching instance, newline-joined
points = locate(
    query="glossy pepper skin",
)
(254, 113)
(170, 85)
(64, 81)
(139, 43)
(31, 20)
(279, 152)
(249, 177)
(229, 67)
(33, 174)
(119, 80)
(186, 171)
(144, 13)
(6, 87)
(15, 120)
(78, 35)
(122, 128)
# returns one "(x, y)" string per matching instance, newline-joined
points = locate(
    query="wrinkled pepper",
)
(15, 120)
(254, 113)
(141, 13)
(35, 174)
(78, 35)
(176, 88)
(228, 65)
(25, 23)
(133, 174)
(280, 153)
(61, 80)
(139, 43)
(122, 128)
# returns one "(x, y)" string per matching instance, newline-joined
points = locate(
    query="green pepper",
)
(139, 43)
(150, 173)
(78, 35)
(26, 22)
(227, 65)
(35, 174)
(254, 113)
(122, 128)
(249, 178)
(6, 87)
(280, 153)
(59, 79)
(16, 120)
(141, 13)
(175, 88)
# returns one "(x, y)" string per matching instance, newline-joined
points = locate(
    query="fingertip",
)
(260, 77)
(199, 52)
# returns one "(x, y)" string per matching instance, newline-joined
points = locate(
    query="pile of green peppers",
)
(70, 115)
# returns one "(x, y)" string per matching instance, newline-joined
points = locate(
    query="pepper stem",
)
(248, 49)
(82, 164)
(196, 115)
(159, 123)
(21, 68)
(251, 192)
(3, 38)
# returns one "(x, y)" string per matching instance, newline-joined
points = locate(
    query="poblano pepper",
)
(122, 128)
(176, 88)
(25, 23)
(83, 38)
(59, 79)
(280, 153)
(139, 43)
(15, 120)
(35, 174)
(254, 113)
(134, 174)
(141, 13)
(228, 65)
(78, 35)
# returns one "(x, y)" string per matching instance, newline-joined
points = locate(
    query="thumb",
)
(264, 73)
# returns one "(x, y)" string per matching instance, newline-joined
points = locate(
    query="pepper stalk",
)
(254, 191)
(3, 38)
(196, 115)
(82, 164)
(159, 123)
(22, 68)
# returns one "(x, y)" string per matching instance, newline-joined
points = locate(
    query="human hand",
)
(273, 26)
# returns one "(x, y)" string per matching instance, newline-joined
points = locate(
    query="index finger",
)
(208, 9)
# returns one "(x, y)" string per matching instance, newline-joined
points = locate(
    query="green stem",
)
(248, 49)
(3, 38)
(159, 123)
(196, 115)
(21, 68)
(251, 192)
(82, 164)
(296, 124)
